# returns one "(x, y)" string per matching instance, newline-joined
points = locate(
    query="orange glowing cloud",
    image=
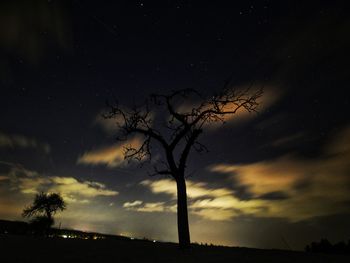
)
(111, 156)
(269, 97)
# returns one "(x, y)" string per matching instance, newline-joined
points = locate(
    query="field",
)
(18, 248)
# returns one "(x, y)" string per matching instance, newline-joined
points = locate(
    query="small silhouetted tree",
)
(178, 132)
(44, 206)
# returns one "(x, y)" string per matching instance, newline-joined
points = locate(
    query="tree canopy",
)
(46, 204)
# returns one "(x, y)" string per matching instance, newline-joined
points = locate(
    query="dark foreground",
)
(35, 249)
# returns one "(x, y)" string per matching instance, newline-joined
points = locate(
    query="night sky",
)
(279, 178)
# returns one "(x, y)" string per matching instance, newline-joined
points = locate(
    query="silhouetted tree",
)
(45, 205)
(178, 132)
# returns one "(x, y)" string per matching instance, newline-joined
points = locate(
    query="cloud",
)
(71, 186)
(311, 187)
(20, 141)
(267, 176)
(194, 189)
(215, 214)
(152, 207)
(270, 96)
(72, 190)
(111, 156)
(140, 206)
(132, 204)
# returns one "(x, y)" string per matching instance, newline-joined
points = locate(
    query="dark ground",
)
(16, 248)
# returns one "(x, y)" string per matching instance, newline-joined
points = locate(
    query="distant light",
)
(132, 238)
(64, 236)
(154, 241)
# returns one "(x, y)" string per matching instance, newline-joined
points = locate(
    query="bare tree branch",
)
(182, 128)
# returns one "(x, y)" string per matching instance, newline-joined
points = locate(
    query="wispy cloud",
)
(152, 207)
(132, 204)
(148, 207)
(110, 156)
(72, 190)
(194, 189)
(21, 141)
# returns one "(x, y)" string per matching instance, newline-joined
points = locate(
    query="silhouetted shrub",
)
(324, 246)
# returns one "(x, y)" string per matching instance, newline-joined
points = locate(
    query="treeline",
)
(324, 246)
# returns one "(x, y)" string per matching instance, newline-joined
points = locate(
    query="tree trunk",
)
(49, 223)
(182, 215)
